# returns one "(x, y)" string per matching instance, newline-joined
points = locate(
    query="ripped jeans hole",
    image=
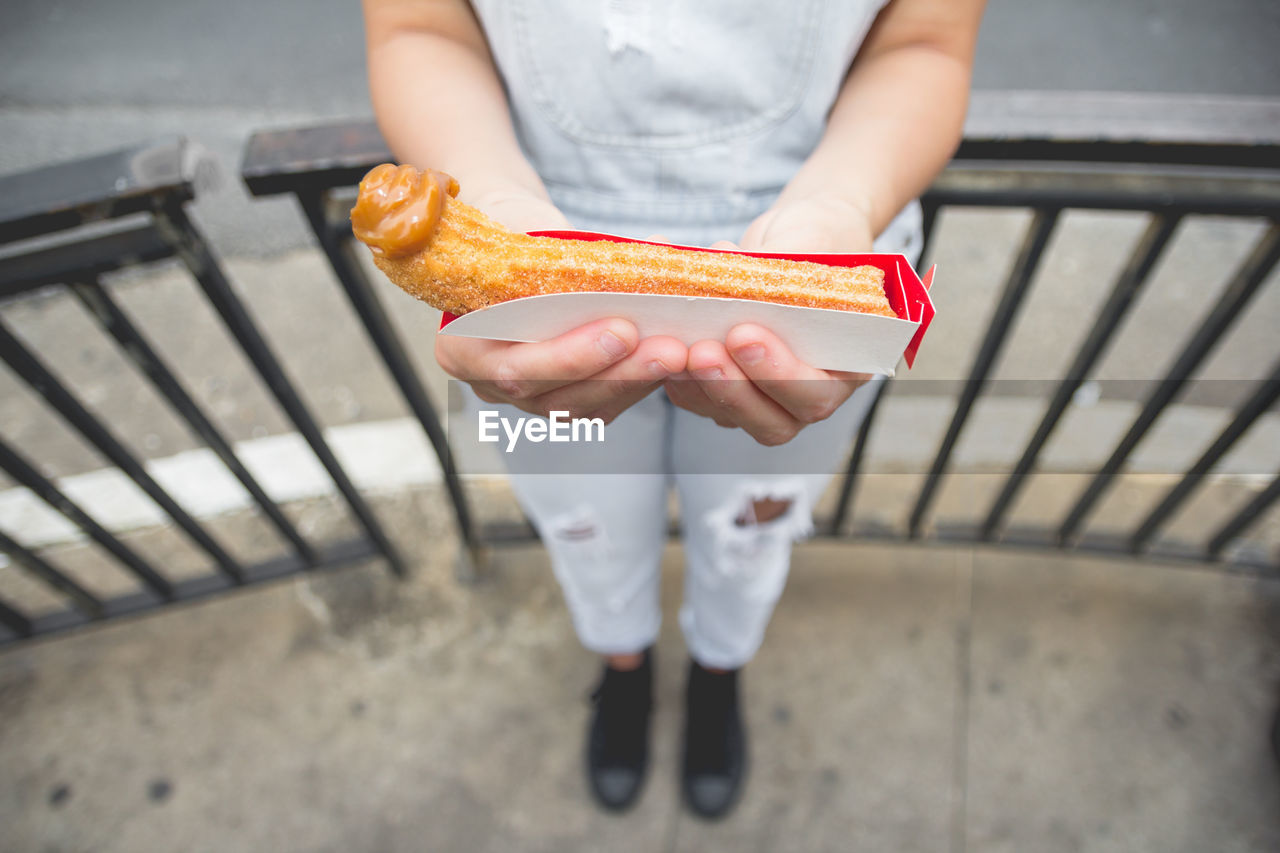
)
(578, 532)
(578, 537)
(762, 511)
(752, 554)
(752, 562)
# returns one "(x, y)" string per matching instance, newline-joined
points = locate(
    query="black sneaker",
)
(618, 740)
(715, 743)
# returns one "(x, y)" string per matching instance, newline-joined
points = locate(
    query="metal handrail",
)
(71, 224)
(1169, 156)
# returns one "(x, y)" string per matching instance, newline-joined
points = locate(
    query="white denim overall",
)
(683, 118)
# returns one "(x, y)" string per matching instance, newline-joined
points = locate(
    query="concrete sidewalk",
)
(906, 699)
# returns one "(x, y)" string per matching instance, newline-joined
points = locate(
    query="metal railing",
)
(67, 226)
(139, 196)
(1019, 153)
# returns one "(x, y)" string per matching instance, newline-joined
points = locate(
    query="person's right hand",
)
(596, 370)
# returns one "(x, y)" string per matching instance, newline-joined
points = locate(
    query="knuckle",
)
(511, 389)
(818, 412)
(483, 391)
(725, 403)
(555, 399)
(507, 381)
(774, 437)
(699, 407)
(547, 404)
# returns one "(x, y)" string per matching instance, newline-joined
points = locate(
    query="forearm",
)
(895, 125)
(900, 113)
(439, 101)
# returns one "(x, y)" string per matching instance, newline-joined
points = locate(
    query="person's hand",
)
(752, 380)
(519, 210)
(596, 370)
(819, 223)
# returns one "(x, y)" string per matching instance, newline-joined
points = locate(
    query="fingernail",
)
(749, 354)
(612, 345)
(707, 374)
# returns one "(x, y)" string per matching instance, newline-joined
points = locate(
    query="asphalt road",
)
(306, 55)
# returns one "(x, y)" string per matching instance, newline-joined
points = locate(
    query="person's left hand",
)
(752, 380)
(818, 223)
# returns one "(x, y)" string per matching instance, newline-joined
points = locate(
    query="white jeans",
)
(606, 531)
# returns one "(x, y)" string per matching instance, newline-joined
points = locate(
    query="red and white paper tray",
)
(822, 337)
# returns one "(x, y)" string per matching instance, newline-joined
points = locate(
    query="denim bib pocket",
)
(662, 79)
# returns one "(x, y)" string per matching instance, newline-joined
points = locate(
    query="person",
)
(799, 126)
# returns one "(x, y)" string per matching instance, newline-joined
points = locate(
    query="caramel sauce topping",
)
(398, 208)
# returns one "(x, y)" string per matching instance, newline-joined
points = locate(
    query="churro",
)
(455, 258)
